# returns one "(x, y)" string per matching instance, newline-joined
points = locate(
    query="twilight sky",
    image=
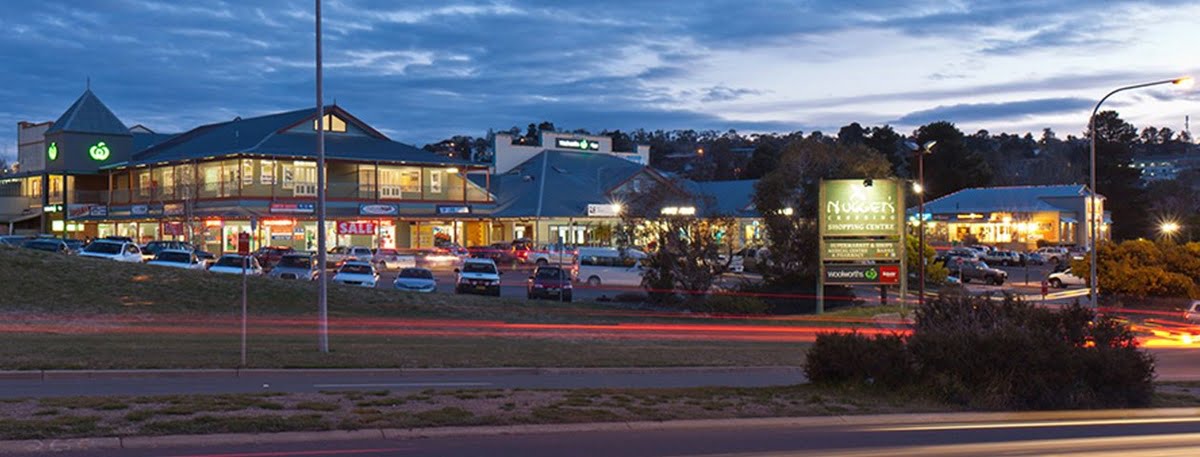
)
(423, 70)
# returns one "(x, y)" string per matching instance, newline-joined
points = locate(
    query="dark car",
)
(268, 256)
(550, 282)
(295, 265)
(501, 253)
(14, 240)
(970, 270)
(48, 245)
(152, 248)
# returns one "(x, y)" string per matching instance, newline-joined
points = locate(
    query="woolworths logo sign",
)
(99, 152)
(855, 207)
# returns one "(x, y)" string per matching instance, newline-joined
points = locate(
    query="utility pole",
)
(323, 273)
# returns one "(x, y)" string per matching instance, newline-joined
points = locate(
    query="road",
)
(1034, 434)
(409, 380)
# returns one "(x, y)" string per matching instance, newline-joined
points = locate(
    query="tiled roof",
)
(1008, 199)
(89, 115)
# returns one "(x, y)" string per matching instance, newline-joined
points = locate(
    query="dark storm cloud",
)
(1007, 111)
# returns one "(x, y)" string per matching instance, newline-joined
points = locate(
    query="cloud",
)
(721, 93)
(1006, 111)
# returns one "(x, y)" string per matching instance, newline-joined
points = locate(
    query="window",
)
(289, 177)
(396, 182)
(266, 174)
(144, 184)
(332, 124)
(247, 172)
(168, 180)
(435, 182)
(305, 179)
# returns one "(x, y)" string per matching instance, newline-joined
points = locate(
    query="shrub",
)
(856, 359)
(630, 297)
(728, 304)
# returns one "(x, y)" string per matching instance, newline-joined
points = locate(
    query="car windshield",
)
(295, 261)
(175, 257)
(42, 244)
(479, 267)
(982, 265)
(354, 268)
(230, 261)
(103, 248)
(419, 273)
(549, 273)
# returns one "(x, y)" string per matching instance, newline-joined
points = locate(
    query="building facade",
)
(1014, 217)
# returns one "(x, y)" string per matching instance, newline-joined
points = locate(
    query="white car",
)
(478, 276)
(1064, 279)
(391, 259)
(232, 264)
(1053, 254)
(552, 254)
(346, 253)
(1193, 312)
(415, 280)
(356, 273)
(610, 267)
(121, 251)
(176, 258)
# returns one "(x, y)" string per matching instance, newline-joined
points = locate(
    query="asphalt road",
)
(1025, 435)
(410, 381)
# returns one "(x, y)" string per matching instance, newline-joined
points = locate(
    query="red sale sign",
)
(356, 228)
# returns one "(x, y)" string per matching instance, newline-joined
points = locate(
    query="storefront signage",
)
(857, 207)
(139, 210)
(99, 152)
(293, 208)
(52, 208)
(52, 151)
(77, 210)
(355, 228)
(581, 144)
(173, 209)
(173, 228)
(605, 210)
(98, 211)
(971, 216)
(453, 209)
(378, 210)
(862, 274)
(841, 250)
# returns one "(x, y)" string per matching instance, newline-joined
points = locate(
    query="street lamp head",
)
(911, 145)
(929, 146)
(917, 188)
(1185, 82)
(1169, 227)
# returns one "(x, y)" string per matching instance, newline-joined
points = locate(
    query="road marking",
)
(407, 384)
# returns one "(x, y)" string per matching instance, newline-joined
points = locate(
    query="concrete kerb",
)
(26, 446)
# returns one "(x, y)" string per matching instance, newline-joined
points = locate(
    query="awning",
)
(14, 218)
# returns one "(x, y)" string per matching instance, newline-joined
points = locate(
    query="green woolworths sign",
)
(861, 208)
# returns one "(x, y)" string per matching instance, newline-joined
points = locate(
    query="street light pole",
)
(322, 272)
(927, 148)
(1093, 219)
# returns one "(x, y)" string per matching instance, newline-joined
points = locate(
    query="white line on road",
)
(407, 384)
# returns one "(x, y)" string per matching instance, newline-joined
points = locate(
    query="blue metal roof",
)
(725, 198)
(269, 135)
(89, 115)
(572, 181)
(1004, 199)
(145, 140)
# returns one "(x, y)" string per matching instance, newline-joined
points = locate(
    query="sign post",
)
(244, 251)
(861, 231)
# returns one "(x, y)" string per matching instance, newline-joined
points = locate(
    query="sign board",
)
(604, 210)
(52, 208)
(78, 210)
(173, 228)
(293, 208)
(244, 243)
(453, 209)
(841, 250)
(173, 209)
(378, 209)
(580, 144)
(862, 274)
(356, 228)
(861, 208)
(139, 210)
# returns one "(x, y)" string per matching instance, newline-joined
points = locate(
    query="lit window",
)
(332, 124)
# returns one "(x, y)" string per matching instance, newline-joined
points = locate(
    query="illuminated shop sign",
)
(582, 145)
(52, 151)
(378, 210)
(99, 152)
(453, 209)
(293, 208)
(356, 228)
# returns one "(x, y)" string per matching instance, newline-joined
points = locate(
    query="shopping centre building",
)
(1013, 217)
(88, 175)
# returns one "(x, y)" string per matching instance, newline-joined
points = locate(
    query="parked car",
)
(500, 253)
(48, 245)
(340, 254)
(976, 270)
(1053, 254)
(121, 251)
(178, 258)
(268, 256)
(1006, 258)
(521, 248)
(391, 259)
(552, 254)
(151, 249)
(610, 266)
(415, 280)
(296, 265)
(1034, 258)
(441, 257)
(1078, 252)
(232, 264)
(553, 282)
(14, 240)
(478, 276)
(356, 273)
(1193, 312)
(1063, 279)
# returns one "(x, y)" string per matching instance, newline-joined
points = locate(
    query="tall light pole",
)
(1093, 219)
(322, 271)
(921, 151)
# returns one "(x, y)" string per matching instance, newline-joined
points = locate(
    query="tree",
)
(935, 272)
(1110, 128)
(887, 142)
(764, 159)
(951, 166)
(851, 134)
(787, 198)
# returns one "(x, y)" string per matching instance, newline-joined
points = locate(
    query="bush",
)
(856, 359)
(728, 304)
(630, 297)
(996, 355)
